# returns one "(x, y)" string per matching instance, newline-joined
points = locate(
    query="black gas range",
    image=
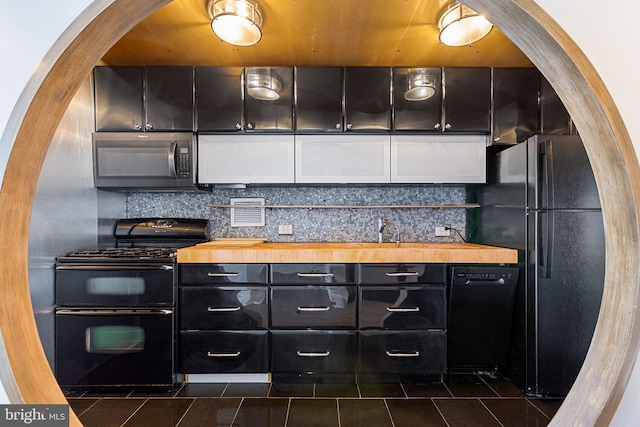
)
(115, 308)
(145, 239)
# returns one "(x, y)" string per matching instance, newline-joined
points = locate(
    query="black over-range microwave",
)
(158, 160)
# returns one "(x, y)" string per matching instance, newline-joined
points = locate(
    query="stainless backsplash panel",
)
(65, 214)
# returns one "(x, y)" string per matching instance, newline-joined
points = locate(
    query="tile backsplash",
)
(315, 224)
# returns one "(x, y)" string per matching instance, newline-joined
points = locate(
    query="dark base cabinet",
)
(399, 307)
(402, 352)
(215, 307)
(313, 352)
(205, 352)
(315, 322)
(305, 307)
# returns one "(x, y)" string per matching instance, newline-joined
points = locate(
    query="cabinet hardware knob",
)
(238, 126)
(148, 126)
(403, 310)
(394, 353)
(222, 309)
(403, 274)
(447, 126)
(338, 126)
(137, 126)
(436, 126)
(235, 354)
(312, 354)
(349, 126)
(249, 126)
(313, 309)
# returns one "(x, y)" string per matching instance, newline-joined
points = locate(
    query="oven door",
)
(115, 285)
(114, 347)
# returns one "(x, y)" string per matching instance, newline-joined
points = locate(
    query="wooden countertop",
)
(259, 251)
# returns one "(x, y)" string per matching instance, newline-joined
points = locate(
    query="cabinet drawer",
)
(373, 274)
(215, 307)
(223, 352)
(313, 351)
(305, 307)
(195, 274)
(402, 352)
(312, 274)
(395, 307)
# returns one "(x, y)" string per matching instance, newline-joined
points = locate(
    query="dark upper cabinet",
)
(515, 104)
(410, 111)
(319, 95)
(119, 98)
(268, 101)
(169, 98)
(234, 99)
(219, 103)
(144, 98)
(467, 100)
(554, 117)
(368, 98)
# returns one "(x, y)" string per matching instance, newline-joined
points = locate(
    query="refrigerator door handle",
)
(545, 175)
(545, 243)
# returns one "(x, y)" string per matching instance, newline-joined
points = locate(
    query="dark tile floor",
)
(461, 400)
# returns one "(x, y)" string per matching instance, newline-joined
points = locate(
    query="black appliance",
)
(115, 316)
(480, 310)
(541, 198)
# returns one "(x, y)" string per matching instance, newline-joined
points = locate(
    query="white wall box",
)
(438, 158)
(352, 158)
(245, 159)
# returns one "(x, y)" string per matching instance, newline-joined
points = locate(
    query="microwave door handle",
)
(172, 159)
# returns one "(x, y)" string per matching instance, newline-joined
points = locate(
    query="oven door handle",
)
(114, 312)
(115, 267)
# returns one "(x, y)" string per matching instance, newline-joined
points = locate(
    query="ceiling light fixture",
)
(263, 87)
(237, 22)
(461, 26)
(421, 85)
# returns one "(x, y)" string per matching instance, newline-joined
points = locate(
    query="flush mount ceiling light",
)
(263, 87)
(421, 85)
(461, 26)
(236, 21)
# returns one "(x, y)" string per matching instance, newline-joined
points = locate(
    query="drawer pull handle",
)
(403, 310)
(312, 354)
(313, 309)
(222, 309)
(223, 274)
(236, 354)
(403, 274)
(401, 354)
(315, 274)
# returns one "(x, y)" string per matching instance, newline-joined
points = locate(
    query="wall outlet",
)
(285, 229)
(443, 231)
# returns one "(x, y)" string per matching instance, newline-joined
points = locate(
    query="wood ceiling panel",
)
(311, 32)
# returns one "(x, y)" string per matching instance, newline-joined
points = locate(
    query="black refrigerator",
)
(541, 198)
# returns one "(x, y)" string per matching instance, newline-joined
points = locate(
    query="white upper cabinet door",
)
(343, 158)
(438, 158)
(245, 159)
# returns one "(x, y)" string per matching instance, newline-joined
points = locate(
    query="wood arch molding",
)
(24, 369)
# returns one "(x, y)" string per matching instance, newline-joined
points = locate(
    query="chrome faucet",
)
(382, 223)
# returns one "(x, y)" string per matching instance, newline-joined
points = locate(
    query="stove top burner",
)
(142, 253)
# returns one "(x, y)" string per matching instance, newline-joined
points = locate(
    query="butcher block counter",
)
(260, 251)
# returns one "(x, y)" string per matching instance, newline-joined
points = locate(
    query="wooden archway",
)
(24, 369)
